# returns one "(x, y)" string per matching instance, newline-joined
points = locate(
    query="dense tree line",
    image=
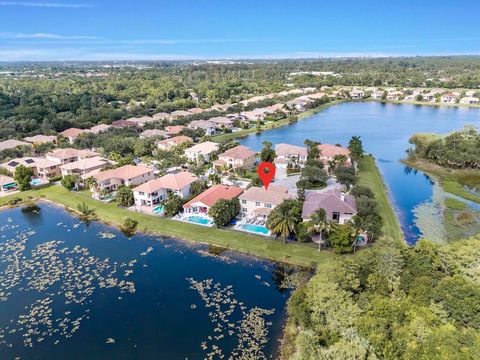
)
(460, 149)
(390, 302)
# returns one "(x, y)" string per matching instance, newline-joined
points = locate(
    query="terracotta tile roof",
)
(174, 141)
(99, 128)
(274, 195)
(40, 139)
(206, 147)
(169, 181)
(123, 123)
(67, 153)
(330, 150)
(173, 130)
(330, 201)
(11, 144)
(289, 150)
(124, 172)
(238, 152)
(210, 196)
(85, 164)
(72, 132)
(153, 132)
(201, 124)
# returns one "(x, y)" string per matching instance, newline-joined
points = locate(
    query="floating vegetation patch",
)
(58, 282)
(231, 318)
(106, 235)
(223, 258)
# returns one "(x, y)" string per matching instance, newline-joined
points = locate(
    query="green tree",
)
(173, 205)
(341, 238)
(319, 225)
(23, 177)
(345, 176)
(124, 196)
(197, 187)
(128, 226)
(313, 153)
(283, 220)
(223, 211)
(267, 154)
(355, 147)
(69, 181)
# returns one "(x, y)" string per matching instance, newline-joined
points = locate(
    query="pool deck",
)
(183, 218)
(238, 227)
(145, 209)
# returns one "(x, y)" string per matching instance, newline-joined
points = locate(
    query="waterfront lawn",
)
(293, 253)
(370, 176)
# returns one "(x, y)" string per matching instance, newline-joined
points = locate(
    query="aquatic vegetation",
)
(59, 277)
(229, 318)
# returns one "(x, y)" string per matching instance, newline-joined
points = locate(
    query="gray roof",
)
(331, 201)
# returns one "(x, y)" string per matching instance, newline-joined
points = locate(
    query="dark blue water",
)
(385, 130)
(44, 290)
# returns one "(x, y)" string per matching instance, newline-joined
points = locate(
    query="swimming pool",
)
(159, 209)
(257, 229)
(36, 182)
(199, 220)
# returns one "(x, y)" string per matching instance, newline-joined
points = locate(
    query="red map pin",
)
(266, 172)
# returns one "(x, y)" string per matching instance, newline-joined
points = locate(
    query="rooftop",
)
(238, 152)
(330, 150)
(274, 195)
(39, 139)
(203, 148)
(210, 196)
(68, 153)
(288, 150)
(72, 132)
(331, 201)
(125, 172)
(85, 164)
(170, 181)
(11, 144)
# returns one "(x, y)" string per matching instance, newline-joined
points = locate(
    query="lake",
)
(70, 290)
(385, 130)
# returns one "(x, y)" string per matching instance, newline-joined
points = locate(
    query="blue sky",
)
(212, 29)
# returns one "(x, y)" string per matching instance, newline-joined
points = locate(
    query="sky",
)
(47, 30)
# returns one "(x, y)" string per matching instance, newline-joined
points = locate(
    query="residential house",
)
(85, 167)
(292, 155)
(7, 184)
(72, 133)
(154, 133)
(206, 125)
(202, 203)
(41, 139)
(236, 157)
(196, 110)
(68, 155)
(174, 130)
(158, 190)
(470, 93)
(141, 121)
(128, 175)
(179, 114)
(12, 144)
(357, 94)
(329, 151)
(46, 169)
(449, 98)
(161, 116)
(394, 95)
(222, 122)
(378, 94)
(255, 114)
(167, 144)
(201, 152)
(338, 206)
(430, 97)
(300, 104)
(469, 100)
(123, 124)
(12, 164)
(97, 129)
(259, 202)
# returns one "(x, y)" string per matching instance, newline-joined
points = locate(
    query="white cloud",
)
(47, 36)
(44, 4)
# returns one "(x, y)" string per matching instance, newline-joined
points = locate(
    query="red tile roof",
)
(210, 196)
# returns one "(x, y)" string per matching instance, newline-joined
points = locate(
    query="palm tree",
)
(282, 222)
(320, 224)
(359, 225)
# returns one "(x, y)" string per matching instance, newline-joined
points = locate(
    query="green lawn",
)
(293, 253)
(370, 176)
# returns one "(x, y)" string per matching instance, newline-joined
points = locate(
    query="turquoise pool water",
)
(198, 220)
(36, 182)
(262, 230)
(158, 209)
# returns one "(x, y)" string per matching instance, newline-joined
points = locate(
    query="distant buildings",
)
(72, 133)
(469, 100)
(12, 144)
(167, 144)
(208, 126)
(41, 139)
(84, 167)
(290, 155)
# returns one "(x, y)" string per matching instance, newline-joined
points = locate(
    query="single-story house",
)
(357, 94)
(84, 167)
(394, 95)
(206, 125)
(196, 110)
(68, 155)
(258, 202)
(167, 144)
(161, 116)
(469, 100)
(290, 154)
(12, 164)
(128, 175)
(203, 150)
(179, 114)
(236, 157)
(72, 133)
(7, 184)
(141, 121)
(449, 98)
(157, 190)
(122, 124)
(338, 206)
(154, 132)
(204, 201)
(41, 139)
(12, 144)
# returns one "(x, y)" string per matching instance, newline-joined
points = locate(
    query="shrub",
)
(14, 201)
(128, 226)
